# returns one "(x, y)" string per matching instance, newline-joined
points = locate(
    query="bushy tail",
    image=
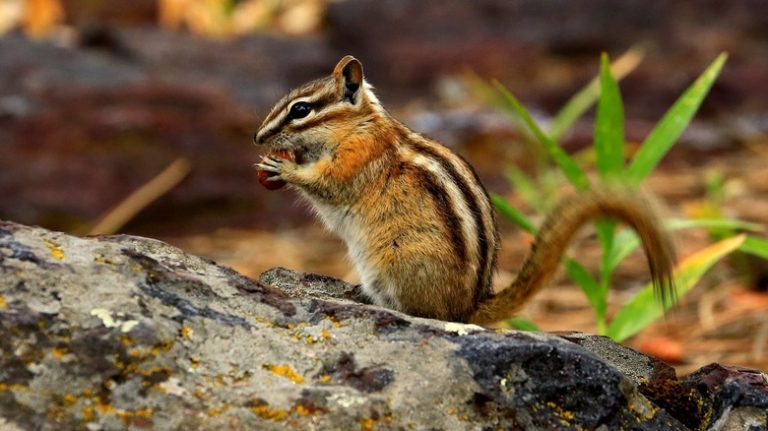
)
(630, 207)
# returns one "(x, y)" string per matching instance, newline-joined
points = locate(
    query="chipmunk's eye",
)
(299, 110)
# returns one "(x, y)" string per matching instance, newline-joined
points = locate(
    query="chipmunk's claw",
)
(271, 164)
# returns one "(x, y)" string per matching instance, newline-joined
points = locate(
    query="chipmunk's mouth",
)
(295, 154)
(299, 155)
(296, 149)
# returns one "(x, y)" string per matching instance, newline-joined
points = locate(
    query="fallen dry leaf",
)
(666, 349)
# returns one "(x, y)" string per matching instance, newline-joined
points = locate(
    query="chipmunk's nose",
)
(263, 135)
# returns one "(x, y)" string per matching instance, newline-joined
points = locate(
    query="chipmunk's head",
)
(315, 117)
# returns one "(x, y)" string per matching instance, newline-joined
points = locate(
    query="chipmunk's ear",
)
(349, 78)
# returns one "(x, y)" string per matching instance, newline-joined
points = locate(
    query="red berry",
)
(264, 175)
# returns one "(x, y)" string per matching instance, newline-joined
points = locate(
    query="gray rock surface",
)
(122, 332)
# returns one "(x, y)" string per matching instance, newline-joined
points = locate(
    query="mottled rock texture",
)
(122, 332)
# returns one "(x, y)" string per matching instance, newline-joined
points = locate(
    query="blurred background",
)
(136, 116)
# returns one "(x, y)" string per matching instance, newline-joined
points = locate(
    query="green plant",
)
(613, 165)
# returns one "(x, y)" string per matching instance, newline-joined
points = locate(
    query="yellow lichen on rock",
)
(265, 412)
(55, 249)
(367, 424)
(187, 332)
(59, 352)
(285, 371)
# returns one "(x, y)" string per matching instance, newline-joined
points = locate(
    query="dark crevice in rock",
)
(267, 295)
(158, 275)
(384, 321)
(367, 379)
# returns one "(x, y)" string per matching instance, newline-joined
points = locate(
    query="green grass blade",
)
(671, 126)
(586, 97)
(644, 308)
(679, 224)
(755, 246)
(595, 294)
(570, 169)
(522, 324)
(487, 92)
(624, 243)
(606, 232)
(512, 213)
(526, 188)
(609, 124)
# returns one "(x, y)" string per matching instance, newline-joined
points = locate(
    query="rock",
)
(734, 398)
(122, 332)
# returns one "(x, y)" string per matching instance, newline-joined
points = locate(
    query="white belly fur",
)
(344, 223)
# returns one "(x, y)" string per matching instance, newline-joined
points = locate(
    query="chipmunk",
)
(418, 224)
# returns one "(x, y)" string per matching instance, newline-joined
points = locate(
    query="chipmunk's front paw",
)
(280, 169)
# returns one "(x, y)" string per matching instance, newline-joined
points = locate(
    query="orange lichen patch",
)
(326, 334)
(69, 399)
(186, 332)
(265, 412)
(219, 380)
(307, 408)
(104, 261)
(199, 393)
(336, 323)
(284, 371)
(125, 415)
(125, 340)
(87, 413)
(136, 268)
(145, 413)
(13, 387)
(310, 339)
(264, 322)
(215, 411)
(367, 424)
(135, 352)
(302, 411)
(59, 352)
(150, 374)
(162, 346)
(3, 305)
(56, 251)
(325, 378)
(566, 416)
(55, 413)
